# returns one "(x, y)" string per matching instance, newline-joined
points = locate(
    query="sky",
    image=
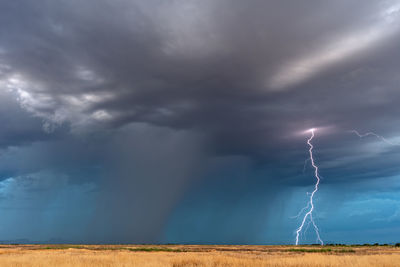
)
(183, 121)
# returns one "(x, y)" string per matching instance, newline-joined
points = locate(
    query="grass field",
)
(193, 255)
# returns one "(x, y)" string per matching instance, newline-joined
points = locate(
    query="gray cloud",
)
(139, 97)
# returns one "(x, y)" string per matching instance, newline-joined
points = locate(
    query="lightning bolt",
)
(376, 135)
(308, 216)
(310, 205)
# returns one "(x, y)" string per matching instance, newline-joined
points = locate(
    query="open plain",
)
(197, 255)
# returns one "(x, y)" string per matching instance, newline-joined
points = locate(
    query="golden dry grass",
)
(191, 256)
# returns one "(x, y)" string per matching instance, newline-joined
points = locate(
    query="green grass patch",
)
(345, 251)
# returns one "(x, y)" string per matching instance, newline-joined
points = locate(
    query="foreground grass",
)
(191, 256)
(155, 249)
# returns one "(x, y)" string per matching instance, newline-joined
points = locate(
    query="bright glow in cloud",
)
(307, 66)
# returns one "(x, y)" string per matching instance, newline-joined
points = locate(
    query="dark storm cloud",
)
(140, 97)
(199, 65)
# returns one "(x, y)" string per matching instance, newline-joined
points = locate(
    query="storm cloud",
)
(141, 109)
